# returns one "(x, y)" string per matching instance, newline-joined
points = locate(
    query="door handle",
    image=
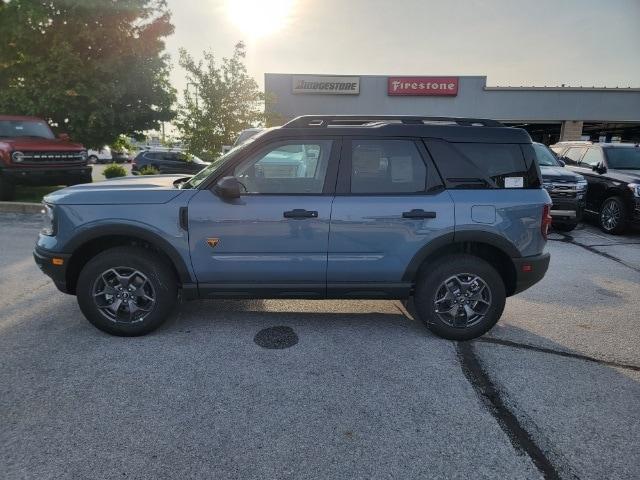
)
(300, 213)
(418, 213)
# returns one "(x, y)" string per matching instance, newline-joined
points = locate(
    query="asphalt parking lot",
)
(364, 391)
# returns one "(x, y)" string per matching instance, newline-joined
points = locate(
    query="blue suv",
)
(449, 212)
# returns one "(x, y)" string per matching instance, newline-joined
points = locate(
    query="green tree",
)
(219, 102)
(92, 68)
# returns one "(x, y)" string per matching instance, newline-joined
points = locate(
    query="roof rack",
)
(315, 121)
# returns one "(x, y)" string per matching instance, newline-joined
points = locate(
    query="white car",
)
(100, 156)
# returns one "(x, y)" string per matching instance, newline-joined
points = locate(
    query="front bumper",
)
(57, 272)
(567, 210)
(47, 176)
(530, 270)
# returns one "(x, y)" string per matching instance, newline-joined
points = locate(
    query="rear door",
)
(272, 241)
(389, 203)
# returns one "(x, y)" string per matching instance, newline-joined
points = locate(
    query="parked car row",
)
(612, 174)
(108, 155)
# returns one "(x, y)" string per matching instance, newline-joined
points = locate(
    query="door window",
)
(286, 168)
(387, 166)
(572, 156)
(593, 157)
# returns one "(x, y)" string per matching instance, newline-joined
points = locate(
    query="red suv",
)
(30, 154)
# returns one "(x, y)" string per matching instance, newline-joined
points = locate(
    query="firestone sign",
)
(418, 86)
(326, 85)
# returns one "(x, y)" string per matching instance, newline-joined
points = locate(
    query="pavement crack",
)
(491, 398)
(569, 239)
(560, 353)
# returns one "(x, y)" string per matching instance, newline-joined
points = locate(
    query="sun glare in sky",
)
(259, 18)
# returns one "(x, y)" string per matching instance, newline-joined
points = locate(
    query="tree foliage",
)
(220, 101)
(93, 68)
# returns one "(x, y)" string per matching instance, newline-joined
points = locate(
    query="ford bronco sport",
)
(31, 155)
(448, 211)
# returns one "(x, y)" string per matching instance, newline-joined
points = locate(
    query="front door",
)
(597, 184)
(272, 241)
(389, 204)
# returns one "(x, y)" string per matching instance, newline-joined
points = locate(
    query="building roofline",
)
(565, 89)
(483, 77)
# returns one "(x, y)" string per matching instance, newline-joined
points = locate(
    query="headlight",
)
(547, 186)
(48, 220)
(581, 185)
(17, 157)
(635, 188)
(83, 155)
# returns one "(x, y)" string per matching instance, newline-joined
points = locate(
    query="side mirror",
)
(64, 136)
(600, 168)
(562, 162)
(228, 188)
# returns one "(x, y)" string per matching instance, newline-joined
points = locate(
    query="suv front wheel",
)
(460, 297)
(127, 291)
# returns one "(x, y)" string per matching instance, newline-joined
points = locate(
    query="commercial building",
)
(548, 113)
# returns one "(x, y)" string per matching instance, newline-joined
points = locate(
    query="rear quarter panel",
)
(513, 214)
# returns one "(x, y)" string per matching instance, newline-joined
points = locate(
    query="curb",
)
(20, 207)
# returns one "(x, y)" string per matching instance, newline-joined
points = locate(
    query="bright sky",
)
(513, 42)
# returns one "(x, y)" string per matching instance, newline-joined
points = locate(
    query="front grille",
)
(563, 190)
(51, 157)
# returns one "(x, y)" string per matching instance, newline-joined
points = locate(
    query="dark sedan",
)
(167, 161)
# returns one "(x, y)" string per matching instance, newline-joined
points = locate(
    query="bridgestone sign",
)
(326, 85)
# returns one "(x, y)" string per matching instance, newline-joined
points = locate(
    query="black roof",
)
(453, 129)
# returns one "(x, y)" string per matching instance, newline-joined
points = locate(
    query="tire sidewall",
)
(152, 266)
(433, 278)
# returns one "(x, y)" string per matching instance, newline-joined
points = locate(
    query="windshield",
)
(25, 128)
(544, 156)
(624, 158)
(202, 175)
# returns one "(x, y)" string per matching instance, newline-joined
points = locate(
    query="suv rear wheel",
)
(127, 291)
(613, 216)
(460, 297)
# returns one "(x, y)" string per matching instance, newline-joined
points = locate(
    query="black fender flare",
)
(459, 237)
(129, 230)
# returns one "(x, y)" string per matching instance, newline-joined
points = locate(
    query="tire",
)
(565, 227)
(7, 190)
(613, 216)
(153, 278)
(455, 269)
(93, 159)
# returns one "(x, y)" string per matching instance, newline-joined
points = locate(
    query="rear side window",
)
(485, 165)
(387, 166)
(573, 155)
